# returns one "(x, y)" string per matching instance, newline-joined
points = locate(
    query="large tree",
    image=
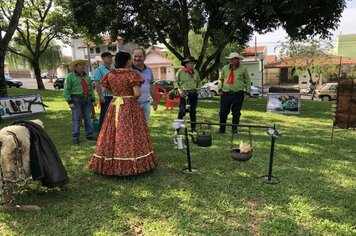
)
(41, 22)
(50, 59)
(7, 29)
(170, 21)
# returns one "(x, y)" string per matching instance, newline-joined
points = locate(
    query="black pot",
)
(236, 155)
(203, 140)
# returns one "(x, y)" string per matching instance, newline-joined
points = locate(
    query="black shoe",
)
(91, 139)
(220, 132)
(76, 141)
(234, 131)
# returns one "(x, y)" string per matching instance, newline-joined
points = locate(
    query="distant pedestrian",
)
(235, 86)
(147, 89)
(188, 83)
(99, 73)
(79, 93)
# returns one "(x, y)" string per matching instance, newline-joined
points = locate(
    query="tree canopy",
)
(219, 22)
(41, 22)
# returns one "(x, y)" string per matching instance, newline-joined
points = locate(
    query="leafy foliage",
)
(223, 22)
(310, 55)
(41, 22)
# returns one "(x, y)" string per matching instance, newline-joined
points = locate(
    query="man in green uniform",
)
(79, 93)
(234, 86)
(188, 83)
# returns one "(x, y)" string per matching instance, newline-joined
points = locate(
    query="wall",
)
(346, 45)
(254, 71)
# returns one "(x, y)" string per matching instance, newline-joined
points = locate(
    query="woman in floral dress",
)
(124, 145)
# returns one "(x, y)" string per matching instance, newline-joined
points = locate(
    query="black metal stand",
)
(189, 168)
(268, 179)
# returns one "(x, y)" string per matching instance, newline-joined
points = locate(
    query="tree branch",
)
(14, 51)
(12, 24)
(162, 39)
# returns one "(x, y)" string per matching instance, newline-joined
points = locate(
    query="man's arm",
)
(153, 93)
(221, 80)
(97, 78)
(67, 89)
(247, 81)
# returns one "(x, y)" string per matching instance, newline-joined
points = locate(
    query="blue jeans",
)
(103, 108)
(146, 107)
(82, 107)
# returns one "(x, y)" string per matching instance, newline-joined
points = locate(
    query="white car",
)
(213, 86)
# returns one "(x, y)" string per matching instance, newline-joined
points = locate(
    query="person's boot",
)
(76, 141)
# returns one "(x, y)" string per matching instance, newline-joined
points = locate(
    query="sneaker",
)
(76, 141)
(91, 139)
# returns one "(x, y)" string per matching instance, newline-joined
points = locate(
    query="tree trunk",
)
(37, 70)
(3, 86)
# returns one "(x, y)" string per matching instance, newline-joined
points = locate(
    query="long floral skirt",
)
(124, 147)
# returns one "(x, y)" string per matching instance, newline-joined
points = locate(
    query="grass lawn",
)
(316, 195)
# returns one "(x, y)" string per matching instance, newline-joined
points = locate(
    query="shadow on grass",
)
(316, 194)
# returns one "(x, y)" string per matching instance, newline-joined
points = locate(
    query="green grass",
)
(316, 195)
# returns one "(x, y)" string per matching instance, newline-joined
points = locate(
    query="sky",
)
(346, 26)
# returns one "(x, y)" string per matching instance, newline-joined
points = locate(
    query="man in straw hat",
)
(79, 93)
(188, 83)
(234, 86)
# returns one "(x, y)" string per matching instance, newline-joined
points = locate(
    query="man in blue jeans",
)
(99, 73)
(147, 90)
(79, 93)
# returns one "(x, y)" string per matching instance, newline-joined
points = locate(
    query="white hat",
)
(235, 55)
(73, 64)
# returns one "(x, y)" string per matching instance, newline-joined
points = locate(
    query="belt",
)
(232, 92)
(191, 91)
(117, 103)
(80, 96)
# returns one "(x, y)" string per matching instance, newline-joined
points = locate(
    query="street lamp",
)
(262, 56)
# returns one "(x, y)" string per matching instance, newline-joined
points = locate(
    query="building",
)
(81, 49)
(346, 45)
(280, 72)
(161, 66)
(254, 60)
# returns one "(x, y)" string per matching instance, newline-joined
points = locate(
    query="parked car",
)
(10, 82)
(213, 86)
(58, 83)
(255, 91)
(327, 91)
(166, 84)
(45, 76)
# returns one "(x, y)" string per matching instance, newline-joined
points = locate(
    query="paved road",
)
(32, 84)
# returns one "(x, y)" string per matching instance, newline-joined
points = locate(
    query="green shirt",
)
(241, 80)
(73, 86)
(186, 82)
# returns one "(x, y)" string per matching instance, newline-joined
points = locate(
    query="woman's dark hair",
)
(121, 58)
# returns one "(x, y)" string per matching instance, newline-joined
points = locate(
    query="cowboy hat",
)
(187, 60)
(74, 63)
(234, 55)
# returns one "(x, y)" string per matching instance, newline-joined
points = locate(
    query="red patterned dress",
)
(124, 145)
